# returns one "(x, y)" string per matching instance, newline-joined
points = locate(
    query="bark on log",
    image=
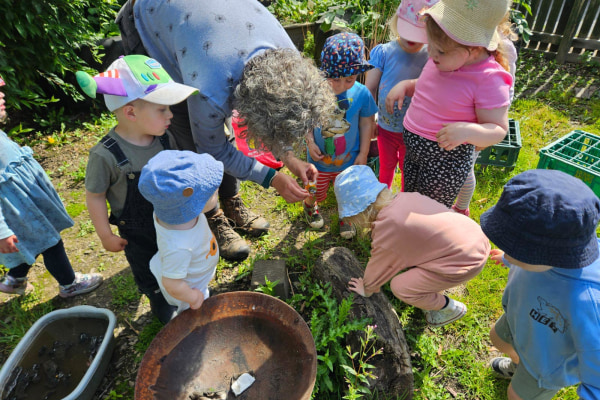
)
(393, 369)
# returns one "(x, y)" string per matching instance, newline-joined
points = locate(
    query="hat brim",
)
(499, 229)
(166, 95)
(408, 31)
(453, 24)
(357, 69)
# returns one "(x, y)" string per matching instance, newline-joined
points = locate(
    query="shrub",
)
(40, 48)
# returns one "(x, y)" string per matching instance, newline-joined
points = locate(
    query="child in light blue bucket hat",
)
(418, 245)
(182, 186)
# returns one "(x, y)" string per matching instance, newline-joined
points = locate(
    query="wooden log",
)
(393, 368)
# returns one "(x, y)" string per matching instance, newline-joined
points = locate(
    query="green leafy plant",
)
(330, 324)
(518, 19)
(268, 288)
(34, 66)
(362, 16)
(358, 376)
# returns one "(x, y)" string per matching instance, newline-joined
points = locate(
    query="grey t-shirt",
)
(205, 44)
(103, 176)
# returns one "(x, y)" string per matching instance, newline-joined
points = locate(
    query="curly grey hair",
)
(280, 97)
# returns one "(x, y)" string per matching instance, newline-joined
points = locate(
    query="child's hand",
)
(452, 135)
(7, 245)
(398, 93)
(496, 255)
(199, 299)
(114, 243)
(357, 285)
(361, 159)
(314, 151)
(395, 96)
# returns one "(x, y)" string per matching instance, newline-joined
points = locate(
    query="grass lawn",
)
(448, 363)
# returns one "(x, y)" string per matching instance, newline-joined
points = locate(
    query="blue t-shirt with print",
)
(395, 65)
(339, 139)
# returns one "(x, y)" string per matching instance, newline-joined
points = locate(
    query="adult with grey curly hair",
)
(238, 56)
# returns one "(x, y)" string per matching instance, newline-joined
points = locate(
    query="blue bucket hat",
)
(355, 189)
(179, 183)
(344, 55)
(545, 217)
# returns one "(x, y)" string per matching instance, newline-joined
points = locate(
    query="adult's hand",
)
(305, 171)
(288, 188)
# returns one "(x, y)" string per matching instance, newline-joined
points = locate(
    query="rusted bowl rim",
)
(215, 308)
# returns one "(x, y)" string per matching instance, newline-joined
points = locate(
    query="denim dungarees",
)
(135, 223)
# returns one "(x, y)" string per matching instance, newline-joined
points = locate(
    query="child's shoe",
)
(83, 283)
(312, 216)
(453, 311)
(503, 367)
(11, 285)
(459, 211)
(347, 231)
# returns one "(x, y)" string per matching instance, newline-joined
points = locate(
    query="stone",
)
(273, 270)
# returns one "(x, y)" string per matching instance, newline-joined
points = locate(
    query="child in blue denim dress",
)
(31, 219)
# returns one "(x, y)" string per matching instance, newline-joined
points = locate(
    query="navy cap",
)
(545, 217)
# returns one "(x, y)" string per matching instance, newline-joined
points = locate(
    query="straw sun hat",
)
(471, 22)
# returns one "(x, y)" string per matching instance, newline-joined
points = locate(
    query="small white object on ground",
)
(242, 383)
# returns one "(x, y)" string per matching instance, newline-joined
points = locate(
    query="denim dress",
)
(30, 208)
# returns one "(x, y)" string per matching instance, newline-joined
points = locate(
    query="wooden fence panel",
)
(565, 29)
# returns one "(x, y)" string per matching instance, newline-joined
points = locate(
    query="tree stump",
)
(393, 368)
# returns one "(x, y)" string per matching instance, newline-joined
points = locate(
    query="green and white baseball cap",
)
(134, 77)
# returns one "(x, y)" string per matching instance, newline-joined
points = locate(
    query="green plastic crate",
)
(577, 154)
(505, 153)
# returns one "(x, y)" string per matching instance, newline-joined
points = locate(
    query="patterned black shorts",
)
(433, 171)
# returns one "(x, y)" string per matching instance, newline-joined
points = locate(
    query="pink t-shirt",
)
(445, 97)
(417, 231)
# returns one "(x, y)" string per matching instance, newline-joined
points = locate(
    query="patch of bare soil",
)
(66, 164)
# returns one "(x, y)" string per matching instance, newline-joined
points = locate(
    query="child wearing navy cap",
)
(544, 225)
(182, 186)
(345, 139)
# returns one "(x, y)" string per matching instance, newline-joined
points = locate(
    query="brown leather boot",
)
(242, 218)
(231, 245)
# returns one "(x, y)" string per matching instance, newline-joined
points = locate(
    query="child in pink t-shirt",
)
(459, 101)
(418, 244)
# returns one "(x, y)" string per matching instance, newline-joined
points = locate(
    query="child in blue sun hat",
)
(139, 91)
(544, 225)
(418, 245)
(182, 186)
(345, 139)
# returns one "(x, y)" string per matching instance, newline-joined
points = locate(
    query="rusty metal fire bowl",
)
(200, 351)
